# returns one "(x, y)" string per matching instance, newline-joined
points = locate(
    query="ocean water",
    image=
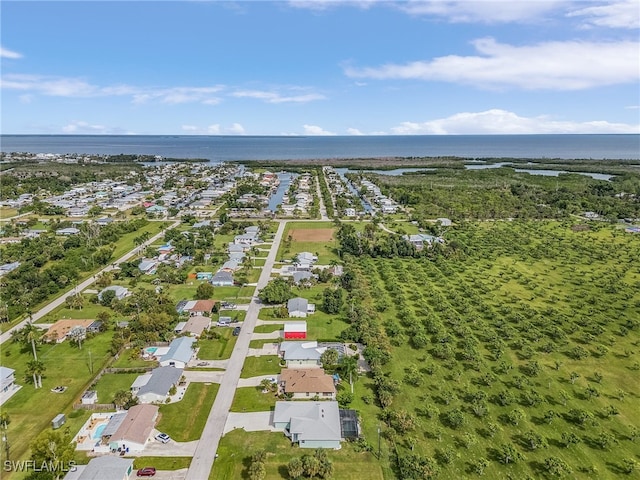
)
(226, 148)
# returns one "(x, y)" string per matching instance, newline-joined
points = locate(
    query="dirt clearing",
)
(312, 235)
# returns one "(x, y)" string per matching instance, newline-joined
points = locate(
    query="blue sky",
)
(320, 67)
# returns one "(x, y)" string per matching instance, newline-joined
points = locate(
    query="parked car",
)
(236, 331)
(163, 437)
(146, 472)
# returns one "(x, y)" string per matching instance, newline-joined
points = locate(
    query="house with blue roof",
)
(179, 354)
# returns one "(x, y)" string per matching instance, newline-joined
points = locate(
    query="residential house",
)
(7, 379)
(350, 212)
(199, 307)
(59, 331)
(204, 275)
(8, 267)
(106, 467)
(307, 383)
(104, 221)
(445, 222)
(67, 231)
(300, 307)
(196, 325)
(295, 330)
(95, 327)
(222, 279)
(156, 209)
(231, 266)
(302, 277)
(236, 248)
(158, 383)
(179, 354)
(134, 431)
(421, 240)
(120, 292)
(310, 424)
(301, 354)
(148, 266)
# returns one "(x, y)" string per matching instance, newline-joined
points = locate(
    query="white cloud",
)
(321, 5)
(551, 65)
(236, 129)
(354, 131)
(76, 87)
(80, 127)
(273, 97)
(6, 53)
(214, 129)
(498, 121)
(315, 130)
(616, 14)
(486, 11)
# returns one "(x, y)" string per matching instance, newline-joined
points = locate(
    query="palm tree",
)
(29, 334)
(349, 366)
(36, 368)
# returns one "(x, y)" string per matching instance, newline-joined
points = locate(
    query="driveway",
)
(270, 322)
(251, 422)
(267, 349)
(195, 363)
(205, 376)
(170, 474)
(266, 336)
(171, 449)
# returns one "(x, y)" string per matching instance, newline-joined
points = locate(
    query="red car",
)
(147, 472)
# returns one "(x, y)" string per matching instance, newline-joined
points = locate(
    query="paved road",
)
(81, 286)
(206, 450)
(323, 209)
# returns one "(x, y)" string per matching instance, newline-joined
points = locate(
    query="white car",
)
(163, 437)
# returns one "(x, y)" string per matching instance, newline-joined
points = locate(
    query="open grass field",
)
(527, 340)
(265, 365)
(110, 383)
(252, 399)
(65, 365)
(218, 349)
(236, 448)
(162, 463)
(185, 420)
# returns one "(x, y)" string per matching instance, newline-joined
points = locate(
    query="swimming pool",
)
(151, 350)
(98, 433)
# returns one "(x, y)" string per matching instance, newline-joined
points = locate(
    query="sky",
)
(320, 67)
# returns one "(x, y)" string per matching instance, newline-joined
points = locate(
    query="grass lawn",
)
(65, 365)
(218, 349)
(268, 328)
(89, 311)
(236, 448)
(162, 463)
(251, 399)
(265, 365)
(184, 421)
(6, 212)
(261, 343)
(131, 359)
(110, 383)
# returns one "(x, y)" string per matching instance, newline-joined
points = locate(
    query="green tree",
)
(556, 467)
(349, 368)
(276, 291)
(204, 291)
(36, 368)
(55, 448)
(295, 468)
(507, 453)
(329, 358)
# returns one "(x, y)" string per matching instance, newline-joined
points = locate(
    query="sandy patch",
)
(312, 235)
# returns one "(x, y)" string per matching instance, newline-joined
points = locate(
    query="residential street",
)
(81, 286)
(214, 429)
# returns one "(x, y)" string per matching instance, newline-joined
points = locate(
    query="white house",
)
(120, 292)
(300, 307)
(310, 424)
(301, 354)
(179, 354)
(134, 432)
(158, 383)
(105, 467)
